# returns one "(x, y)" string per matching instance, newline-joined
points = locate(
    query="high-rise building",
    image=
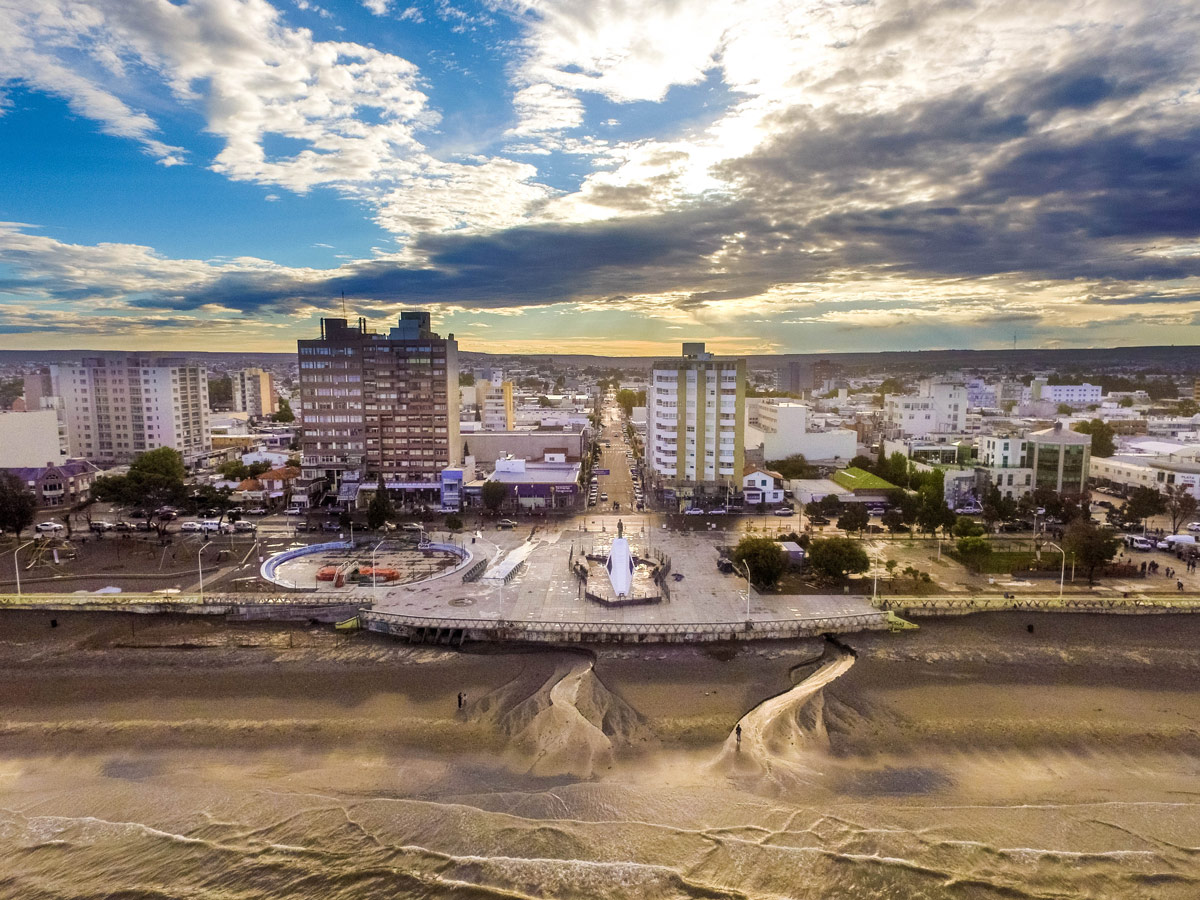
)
(379, 403)
(499, 409)
(696, 412)
(254, 392)
(117, 407)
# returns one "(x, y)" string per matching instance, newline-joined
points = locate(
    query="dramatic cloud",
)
(772, 173)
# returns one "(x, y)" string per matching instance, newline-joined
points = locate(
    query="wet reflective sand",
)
(971, 759)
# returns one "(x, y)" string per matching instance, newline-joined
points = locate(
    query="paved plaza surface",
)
(545, 590)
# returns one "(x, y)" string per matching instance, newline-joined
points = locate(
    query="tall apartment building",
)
(379, 403)
(117, 407)
(254, 392)
(695, 434)
(498, 407)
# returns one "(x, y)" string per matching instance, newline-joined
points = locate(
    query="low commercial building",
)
(761, 485)
(1060, 458)
(546, 485)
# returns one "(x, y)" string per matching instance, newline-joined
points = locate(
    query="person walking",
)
(461, 699)
(738, 733)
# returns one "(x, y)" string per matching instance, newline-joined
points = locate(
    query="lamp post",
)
(374, 573)
(16, 566)
(875, 586)
(1062, 576)
(200, 567)
(747, 566)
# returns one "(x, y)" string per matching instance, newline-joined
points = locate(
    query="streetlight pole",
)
(747, 566)
(1062, 575)
(875, 586)
(17, 567)
(200, 567)
(374, 572)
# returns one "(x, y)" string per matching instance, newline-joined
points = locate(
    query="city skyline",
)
(597, 178)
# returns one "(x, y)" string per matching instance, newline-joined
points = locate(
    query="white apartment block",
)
(936, 407)
(30, 439)
(1071, 394)
(118, 407)
(1005, 461)
(783, 430)
(498, 408)
(254, 393)
(695, 419)
(1158, 471)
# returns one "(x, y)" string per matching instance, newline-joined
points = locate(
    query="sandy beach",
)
(974, 758)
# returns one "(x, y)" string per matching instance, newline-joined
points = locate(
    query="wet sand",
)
(183, 757)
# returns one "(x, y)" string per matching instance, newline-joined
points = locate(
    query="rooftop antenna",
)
(1014, 340)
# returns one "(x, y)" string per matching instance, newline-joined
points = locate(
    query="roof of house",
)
(284, 473)
(68, 469)
(751, 469)
(250, 484)
(859, 479)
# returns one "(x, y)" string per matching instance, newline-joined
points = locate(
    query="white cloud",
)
(378, 7)
(411, 14)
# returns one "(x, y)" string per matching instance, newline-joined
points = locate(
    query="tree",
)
(1181, 505)
(908, 504)
(854, 518)
(1187, 407)
(1064, 409)
(766, 559)
(284, 414)
(1102, 436)
(1143, 503)
(493, 494)
(380, 509)
(836, 557)
(795, 466)
(466, 379)
(893, 521)
(973, 549)
(17, 504)
(1092, 546)
(627, 400)
(155, 479)
(966, 527)
(933, 512)
(862, 462)
(454, 522)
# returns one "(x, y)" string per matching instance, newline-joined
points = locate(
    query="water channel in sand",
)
(971, 759)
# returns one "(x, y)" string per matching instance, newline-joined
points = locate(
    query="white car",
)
(1193, 526)
(190, 526)
(47, 527)
(293, 511)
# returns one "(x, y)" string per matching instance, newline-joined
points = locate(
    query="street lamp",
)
(374, 572)
(875, 586)
(747, 566)
(200, 568)
(16, 567)
(1063, 574)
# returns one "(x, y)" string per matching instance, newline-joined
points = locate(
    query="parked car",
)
(99, 526)
(1137, 542)
(506, 523)
(785, 511)
(1193, 526)
(718, 511)
(47, 527)
(293, 511)
(330, 526)
(818, 520)
(144, 526)
(256, 511)
(877, 510)
(967, 510)
(693, 511)
(604, 496)
(122, 526)
(212, 526)
(190, 526)
(412, 526)
(244, 526)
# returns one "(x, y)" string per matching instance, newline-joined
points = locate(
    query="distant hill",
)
(1176, 359)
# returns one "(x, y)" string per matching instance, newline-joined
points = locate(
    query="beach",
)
(173, 756)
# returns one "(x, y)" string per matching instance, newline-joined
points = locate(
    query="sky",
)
(601, 176)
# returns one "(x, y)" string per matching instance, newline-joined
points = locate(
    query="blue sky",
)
(601, 176)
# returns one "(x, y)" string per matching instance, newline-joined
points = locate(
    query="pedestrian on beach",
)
(461, 698)
(738, 732)
(1179, 585)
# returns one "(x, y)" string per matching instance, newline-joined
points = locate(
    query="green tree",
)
(854, 518)
(493, 494)
(933, 513)
(155, 478)
(380, 509)
(795, 466)
(454, 522)
(766, 559)
(1103, 434)
(466, 379)
(1065, 409)
(893, 521)
(627, 400)
(974, 549)
(1126, 402)
(966, 527)
(17, 504)
(1092, 546)
(284, 414)
(837, 557)
(1143, 503)
(1187, 407)
(1181, 505)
